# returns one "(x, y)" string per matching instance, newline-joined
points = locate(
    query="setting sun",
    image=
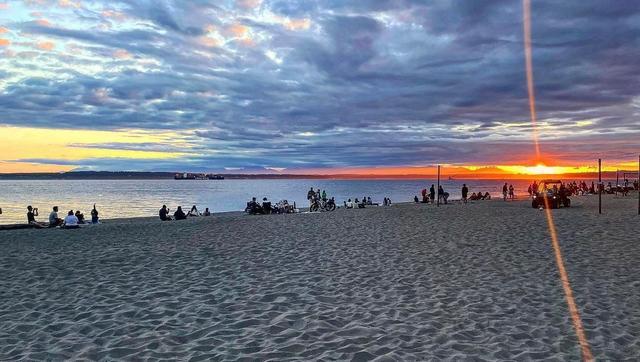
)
(541, 169)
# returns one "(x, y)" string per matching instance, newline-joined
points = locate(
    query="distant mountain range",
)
(127, 175)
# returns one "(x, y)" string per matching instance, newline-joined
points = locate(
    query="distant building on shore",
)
(197, 176)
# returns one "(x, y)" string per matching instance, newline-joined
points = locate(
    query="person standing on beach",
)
(432, 193)
(505, 190)
(310, 196)
(511, 192)
(465, 192)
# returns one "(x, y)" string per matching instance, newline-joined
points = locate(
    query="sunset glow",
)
(350, 89)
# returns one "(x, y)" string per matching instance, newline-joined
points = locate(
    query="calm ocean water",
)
(133, 198)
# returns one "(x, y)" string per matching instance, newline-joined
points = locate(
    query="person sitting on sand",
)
(361, 205)
(416, 200)
(486, 196)
(179, 214)
(349, 204)
(31, 217)
(369, 201)
(71, 221)
(193, 211)
(54, 220)
(473, 196)
(253, 208)
(94, 215)
(80, 217)
(206, 212)
(266, 205)
(164, 213)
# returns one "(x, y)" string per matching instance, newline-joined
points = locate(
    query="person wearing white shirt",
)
(71, 221)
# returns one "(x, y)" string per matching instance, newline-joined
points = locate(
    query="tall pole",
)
(438, 190)
(617, 178)
(639, 185)
(599, 186)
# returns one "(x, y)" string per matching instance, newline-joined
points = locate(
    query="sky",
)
(316, 86)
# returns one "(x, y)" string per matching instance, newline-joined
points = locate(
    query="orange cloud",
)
(121, 54)
(239, 30)
(209, 42)
(113, 14)
(249, 4)
(247, 42)
(3, 30)
(45, 45)
(4, 42)
(69, 4)
(298, 24)
(43, 22)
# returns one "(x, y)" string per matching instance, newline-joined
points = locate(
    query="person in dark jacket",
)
(164, 213)
(179, 214)
(465, 192)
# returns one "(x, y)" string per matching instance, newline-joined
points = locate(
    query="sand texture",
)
(409, 282)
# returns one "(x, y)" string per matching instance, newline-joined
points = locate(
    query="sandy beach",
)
(407, 282)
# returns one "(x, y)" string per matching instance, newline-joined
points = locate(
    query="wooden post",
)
(438, 189)
(638, 185)
(599, 186)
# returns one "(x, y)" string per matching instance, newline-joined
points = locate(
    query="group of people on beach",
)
(430, 195)
(72, 220)
(281, 207)
(508, 192)
(179, 213)
(361, 204)
(474, 196)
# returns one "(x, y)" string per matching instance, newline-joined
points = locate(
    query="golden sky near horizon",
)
(26, 150)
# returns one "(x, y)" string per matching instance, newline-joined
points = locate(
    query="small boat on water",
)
(197, 176)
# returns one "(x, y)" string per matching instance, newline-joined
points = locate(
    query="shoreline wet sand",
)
(407, 282)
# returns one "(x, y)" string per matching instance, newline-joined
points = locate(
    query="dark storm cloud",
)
(366, 83)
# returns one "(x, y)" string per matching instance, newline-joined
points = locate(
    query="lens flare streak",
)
(564, 278)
